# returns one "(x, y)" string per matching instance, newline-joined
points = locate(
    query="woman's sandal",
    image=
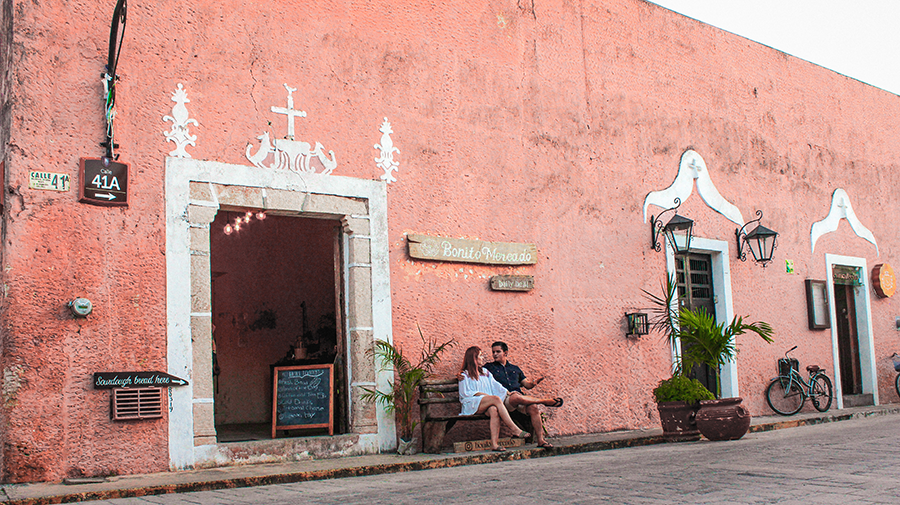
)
(558, 402)
(499, 449)
(545, 445)
(523, 434)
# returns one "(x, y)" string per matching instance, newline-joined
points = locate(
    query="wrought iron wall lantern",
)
(638, 324)
(760, 241)
(677, 230)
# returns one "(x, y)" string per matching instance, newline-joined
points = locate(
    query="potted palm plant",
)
(400, 396)
(703, 341)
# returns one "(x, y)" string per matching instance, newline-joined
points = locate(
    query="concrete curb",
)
(42, 494)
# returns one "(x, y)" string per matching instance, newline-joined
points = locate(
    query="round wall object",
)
(883, 280)
(81, 307)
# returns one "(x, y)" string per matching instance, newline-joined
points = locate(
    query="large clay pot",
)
(677, 419)
(723, 419)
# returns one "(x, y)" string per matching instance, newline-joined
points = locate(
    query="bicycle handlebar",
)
(789, 350)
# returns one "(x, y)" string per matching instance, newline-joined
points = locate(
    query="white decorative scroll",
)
(840, 209)
(386, 160)
(693, 168)
(288, 153)
(179, 118)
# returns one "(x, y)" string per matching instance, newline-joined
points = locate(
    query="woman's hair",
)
(470, 362)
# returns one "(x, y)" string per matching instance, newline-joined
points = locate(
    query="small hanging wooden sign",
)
(512, 282)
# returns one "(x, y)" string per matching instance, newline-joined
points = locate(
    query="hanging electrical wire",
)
(116, 35)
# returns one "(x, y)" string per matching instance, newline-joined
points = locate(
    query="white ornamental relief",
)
(693, 169)
(287, 153)
(840, 209)
(386, 160)
(179, 133)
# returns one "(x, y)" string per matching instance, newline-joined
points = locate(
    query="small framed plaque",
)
(817, 304)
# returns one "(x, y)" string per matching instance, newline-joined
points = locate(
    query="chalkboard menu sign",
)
(302, 398)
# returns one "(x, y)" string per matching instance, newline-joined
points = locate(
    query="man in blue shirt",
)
(513, 379)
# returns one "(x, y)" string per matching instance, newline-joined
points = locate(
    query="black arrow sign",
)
(112, 380)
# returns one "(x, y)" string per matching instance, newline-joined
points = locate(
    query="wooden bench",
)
(437, 421)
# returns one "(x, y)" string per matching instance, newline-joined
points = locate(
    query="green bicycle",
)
(788, 392)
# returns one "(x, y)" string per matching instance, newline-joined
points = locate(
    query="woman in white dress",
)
(480, 393)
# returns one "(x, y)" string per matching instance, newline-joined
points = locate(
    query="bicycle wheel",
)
(897, 384)
(822, 392)
(785, 396)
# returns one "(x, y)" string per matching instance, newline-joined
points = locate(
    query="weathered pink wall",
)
(545, 124)
(266, 269)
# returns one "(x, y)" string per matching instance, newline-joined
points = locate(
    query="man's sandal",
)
(557, 403)
(499, 449)
(545, 445)
(523, 434)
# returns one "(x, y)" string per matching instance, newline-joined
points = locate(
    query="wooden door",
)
(695, 289)
(848, 341)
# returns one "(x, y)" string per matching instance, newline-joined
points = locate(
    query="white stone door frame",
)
(721, 271)
(864, 332)
(195, 191)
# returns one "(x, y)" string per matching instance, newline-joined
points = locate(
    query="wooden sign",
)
(103, 182)
(301, 398)
(115, 380)
(471, 251)
(512, 282)
(846, 275)
(483, 445)
(883, 280)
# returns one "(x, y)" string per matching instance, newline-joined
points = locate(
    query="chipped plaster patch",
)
(12, 381)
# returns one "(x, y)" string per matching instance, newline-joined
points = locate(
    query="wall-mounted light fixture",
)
(638, 324)
(760, 241)
(677, 230)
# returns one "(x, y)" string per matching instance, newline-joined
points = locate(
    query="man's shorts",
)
(510, 408)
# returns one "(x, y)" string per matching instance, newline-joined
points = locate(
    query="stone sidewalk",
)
(258, 475)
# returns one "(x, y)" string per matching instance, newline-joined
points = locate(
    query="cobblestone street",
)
(848, 462)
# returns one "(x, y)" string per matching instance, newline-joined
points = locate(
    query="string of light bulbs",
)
(242, 220)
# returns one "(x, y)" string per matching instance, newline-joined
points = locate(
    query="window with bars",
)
(136, 403)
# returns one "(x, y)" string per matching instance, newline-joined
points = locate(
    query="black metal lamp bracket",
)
(656, 225)
(740, 234)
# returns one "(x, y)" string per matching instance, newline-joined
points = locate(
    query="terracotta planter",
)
(723, 419)
(678, 421)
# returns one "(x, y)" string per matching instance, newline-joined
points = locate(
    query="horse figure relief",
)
(287, 153)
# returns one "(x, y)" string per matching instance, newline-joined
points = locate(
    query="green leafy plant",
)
(680, 388)
(703, 340)
(706, 342)
(664, 312)
(401, 393)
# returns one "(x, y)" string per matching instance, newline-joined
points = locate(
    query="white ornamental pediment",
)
(288, 153)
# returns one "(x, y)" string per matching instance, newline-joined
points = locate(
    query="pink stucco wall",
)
(545, 124)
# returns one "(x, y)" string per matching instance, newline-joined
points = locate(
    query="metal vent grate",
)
(137, 403)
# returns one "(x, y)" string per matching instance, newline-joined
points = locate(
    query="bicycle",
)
(786, 395)
(896, 358)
